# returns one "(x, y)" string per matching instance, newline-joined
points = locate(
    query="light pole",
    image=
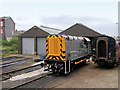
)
(116, 29)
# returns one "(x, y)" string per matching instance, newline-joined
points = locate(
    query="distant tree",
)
(14, 40)
(13, 43)
(5, 42)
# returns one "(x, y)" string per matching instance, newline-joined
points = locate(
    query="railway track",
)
(8, 61)
(15, 62)
(30, 81)
(59, 80)
(44, 81)
(9, 58)
(7, 75)
(47, 80)
(52, 82)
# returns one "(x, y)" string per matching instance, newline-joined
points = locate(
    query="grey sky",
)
(100, 15)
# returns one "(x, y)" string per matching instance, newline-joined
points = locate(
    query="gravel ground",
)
(90, 76)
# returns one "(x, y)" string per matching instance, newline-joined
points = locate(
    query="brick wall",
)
(9, 28)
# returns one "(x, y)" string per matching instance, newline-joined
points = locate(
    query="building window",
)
(1, 30)
(1, 24)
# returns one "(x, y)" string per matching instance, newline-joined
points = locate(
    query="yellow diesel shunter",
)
(63, 52)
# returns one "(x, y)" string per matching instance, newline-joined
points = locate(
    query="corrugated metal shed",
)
(50, 30)
(80, 30)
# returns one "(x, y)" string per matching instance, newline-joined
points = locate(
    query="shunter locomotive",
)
(64, 52)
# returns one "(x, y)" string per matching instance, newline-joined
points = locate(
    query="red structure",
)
(2, 26)
(7, 26)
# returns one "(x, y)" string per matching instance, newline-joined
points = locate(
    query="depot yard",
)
(90, 76)
(26, 69)
(84, 76)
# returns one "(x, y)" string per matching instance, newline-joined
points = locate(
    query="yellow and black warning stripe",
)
(46, 46)
(62, 48)
(54, 36)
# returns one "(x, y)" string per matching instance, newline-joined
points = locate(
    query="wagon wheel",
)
(110, 65)
(116, 63)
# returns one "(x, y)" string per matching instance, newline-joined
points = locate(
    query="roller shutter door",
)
(41, 46)
(27, 45)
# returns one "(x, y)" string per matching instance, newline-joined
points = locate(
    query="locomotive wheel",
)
(84, 62)
(101, 64)
(72, 67)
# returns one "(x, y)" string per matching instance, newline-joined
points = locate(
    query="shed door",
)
(27, 45)
(41, 46)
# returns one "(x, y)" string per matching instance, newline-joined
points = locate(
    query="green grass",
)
(6, 47)
(11, 52)
(8, 52)
(11, 47)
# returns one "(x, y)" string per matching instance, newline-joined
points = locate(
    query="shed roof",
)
(50, 30)
(80, 30)
(35, 32)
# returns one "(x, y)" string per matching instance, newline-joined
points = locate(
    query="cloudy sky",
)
(100, 15)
